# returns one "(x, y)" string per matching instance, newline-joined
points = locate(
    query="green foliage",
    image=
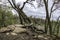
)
(7, 18)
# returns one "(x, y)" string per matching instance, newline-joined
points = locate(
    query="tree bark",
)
(48, 23)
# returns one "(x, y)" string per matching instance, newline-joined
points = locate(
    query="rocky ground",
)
(21, 32)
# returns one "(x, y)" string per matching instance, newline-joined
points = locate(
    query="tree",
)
(48, 15)
(54, 7)
(23, 18)
(7, 18)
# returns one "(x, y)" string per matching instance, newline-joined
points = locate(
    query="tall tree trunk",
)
(48, 23)
(58, 26)
(46, 26)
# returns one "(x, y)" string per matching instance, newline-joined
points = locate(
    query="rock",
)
(7, 29)
(46, 38)
(13, 33)
(7, 33)
(18, 25)
(40, 27)
(21, 26)
(19, 30)
(4, 29)
(40, 36)
(12, 27)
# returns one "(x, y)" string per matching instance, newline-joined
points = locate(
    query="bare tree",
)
(48, 15)
(23, 18)
(54, 7)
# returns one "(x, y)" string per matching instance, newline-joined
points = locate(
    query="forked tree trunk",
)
(23, 18)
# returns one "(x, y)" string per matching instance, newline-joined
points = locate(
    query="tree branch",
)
(55, 9)
(11, 4)
(24, 4)
(51, 9)
(13, 1)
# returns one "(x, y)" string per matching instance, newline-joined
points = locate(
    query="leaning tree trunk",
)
(26, 19)
(23, 16)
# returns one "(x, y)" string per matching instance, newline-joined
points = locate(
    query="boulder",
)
(12, 27)
(7, 29)
(4, 29)
(19, 30)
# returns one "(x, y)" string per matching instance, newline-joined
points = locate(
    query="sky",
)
(31, 11)
(37, 12)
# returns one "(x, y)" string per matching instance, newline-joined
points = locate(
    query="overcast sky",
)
(37, 12)
(31, 11)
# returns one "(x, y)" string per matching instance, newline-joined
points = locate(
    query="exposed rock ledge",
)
(12, 30)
